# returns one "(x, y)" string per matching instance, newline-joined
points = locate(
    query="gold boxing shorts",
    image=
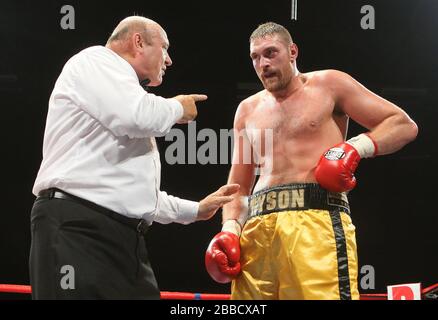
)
(298, 243)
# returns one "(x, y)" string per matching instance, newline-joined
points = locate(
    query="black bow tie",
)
(144, 83)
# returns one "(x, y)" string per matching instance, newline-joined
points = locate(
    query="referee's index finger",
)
(199, 97)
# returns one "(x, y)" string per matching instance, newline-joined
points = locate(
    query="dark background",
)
(393, 205)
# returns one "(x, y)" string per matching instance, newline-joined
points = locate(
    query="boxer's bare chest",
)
(301, 115)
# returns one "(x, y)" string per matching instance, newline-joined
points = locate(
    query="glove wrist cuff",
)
(232, 226)
(365, 146)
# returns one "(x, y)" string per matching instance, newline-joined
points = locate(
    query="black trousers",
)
(80, 253)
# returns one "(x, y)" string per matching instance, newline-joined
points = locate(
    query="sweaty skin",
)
(308, 113)
(304, 125)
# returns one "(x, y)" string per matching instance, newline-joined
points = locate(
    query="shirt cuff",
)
(178, 108)
(188, 211)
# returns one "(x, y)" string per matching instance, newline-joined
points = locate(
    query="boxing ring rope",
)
(165, 295)
(15, 288)
(168, 295)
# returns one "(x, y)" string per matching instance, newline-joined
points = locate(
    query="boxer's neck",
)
(296, 83)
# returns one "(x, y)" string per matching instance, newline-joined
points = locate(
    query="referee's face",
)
(155, 59)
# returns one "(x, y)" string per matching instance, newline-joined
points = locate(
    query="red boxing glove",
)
(222, 257)
(335, 169)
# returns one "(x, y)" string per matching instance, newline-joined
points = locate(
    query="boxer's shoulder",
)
(324, 77)
(332, 78)
(246, 108)
(248, 104)
(330, 81)
(253, 99)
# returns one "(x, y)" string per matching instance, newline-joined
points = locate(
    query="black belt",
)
(297, 196)
(139, 225)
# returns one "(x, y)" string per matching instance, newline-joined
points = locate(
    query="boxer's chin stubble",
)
(273, 85)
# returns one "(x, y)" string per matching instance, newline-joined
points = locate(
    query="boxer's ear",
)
(293, 51)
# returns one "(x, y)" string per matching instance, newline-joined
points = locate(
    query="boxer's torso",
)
(304, 125)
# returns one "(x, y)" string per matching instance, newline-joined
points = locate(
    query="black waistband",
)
(139, 225)
(297, 196)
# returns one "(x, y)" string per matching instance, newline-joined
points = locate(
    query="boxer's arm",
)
(390, 127)
(223, 253)
(244, 176)
(242, 169)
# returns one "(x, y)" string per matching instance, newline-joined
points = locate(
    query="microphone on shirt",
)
(144, 83)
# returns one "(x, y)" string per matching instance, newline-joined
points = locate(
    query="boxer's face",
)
(273, 61)
(153, 59)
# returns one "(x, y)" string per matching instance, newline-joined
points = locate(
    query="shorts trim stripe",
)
(341, 249)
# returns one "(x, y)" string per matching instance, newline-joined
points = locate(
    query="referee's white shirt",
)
(99, 139)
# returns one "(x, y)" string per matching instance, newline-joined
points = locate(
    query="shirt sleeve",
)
(108, 89)
(174, 209)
